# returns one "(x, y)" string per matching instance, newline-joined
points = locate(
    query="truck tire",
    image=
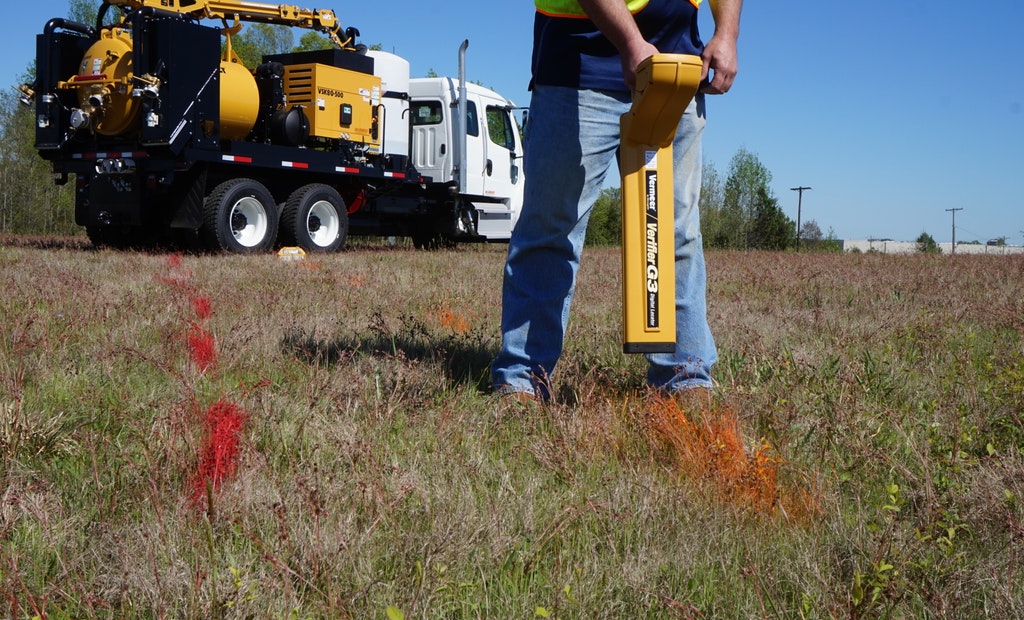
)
(315, 219)
(241, 217)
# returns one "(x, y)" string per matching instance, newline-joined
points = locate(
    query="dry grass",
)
(862, 457)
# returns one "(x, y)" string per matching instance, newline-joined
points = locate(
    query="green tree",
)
(745, 197)
(810, 233)
(831, 243)
(312, 41)
(813, 240)
(926, 244)
(30, 203)
(710, 205)
(770, 228)
(84, 11)
(605, 225)
(258, 40)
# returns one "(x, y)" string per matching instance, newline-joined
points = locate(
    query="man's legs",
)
(690, 365)
(572, 139)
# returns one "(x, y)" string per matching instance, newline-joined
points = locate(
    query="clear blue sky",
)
(891, 115)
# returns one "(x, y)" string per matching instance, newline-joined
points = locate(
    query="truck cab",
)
(493, 183)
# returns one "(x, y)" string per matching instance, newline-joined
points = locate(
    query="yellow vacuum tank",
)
(239, 101)
(103, 83)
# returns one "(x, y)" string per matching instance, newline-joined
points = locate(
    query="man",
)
(585, 55)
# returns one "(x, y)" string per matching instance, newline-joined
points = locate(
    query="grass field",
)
(243, 437)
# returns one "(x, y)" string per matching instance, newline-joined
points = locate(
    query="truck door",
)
(502, 167)
(502, 174)
(433, 149)
(431, 143)
(476, 150)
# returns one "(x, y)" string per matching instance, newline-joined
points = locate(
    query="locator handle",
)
(665, 85)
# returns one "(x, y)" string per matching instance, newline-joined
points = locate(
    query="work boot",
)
(509, 394)
(523, 398)
(694, 400)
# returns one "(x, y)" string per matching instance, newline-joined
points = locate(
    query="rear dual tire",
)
(315, 219)
(241, 217)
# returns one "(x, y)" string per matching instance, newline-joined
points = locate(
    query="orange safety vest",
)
(571, 8)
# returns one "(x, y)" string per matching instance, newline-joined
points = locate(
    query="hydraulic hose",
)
(101, 15)
(59, 23)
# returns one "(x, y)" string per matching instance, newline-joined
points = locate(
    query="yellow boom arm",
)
(323, 20)
(665, 85)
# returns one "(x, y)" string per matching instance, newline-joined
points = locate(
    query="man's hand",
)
(720, 58)
(632, 59)
(720, 52)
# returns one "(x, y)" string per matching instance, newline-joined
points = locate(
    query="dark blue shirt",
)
(573, 52)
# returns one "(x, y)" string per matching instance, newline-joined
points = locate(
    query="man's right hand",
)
(632, 59)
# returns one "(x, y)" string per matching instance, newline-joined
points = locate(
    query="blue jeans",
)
(572, 141)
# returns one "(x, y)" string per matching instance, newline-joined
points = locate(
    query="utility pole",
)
(953, 211)
(799, 207)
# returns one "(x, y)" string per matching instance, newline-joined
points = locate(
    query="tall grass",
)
(870, 408)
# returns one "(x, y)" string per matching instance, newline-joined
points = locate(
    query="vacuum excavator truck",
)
(169, 136)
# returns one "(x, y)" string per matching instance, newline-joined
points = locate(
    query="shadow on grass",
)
(464, 356)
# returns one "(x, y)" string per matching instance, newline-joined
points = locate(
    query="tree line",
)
(737, 212)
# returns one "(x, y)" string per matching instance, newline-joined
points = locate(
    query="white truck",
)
(169, 141)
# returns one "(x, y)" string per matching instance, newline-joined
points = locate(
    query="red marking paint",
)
(202, 307)
(219, 460)
(201, 347)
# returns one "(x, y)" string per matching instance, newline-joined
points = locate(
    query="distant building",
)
(888, 246)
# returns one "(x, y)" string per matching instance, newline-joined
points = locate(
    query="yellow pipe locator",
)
(665, 85)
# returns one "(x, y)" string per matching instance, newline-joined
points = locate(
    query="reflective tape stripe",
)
(571, 8)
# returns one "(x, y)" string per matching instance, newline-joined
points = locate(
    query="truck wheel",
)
(315, 219)
(240, 216)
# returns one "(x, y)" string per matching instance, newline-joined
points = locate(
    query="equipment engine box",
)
(339, 103)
